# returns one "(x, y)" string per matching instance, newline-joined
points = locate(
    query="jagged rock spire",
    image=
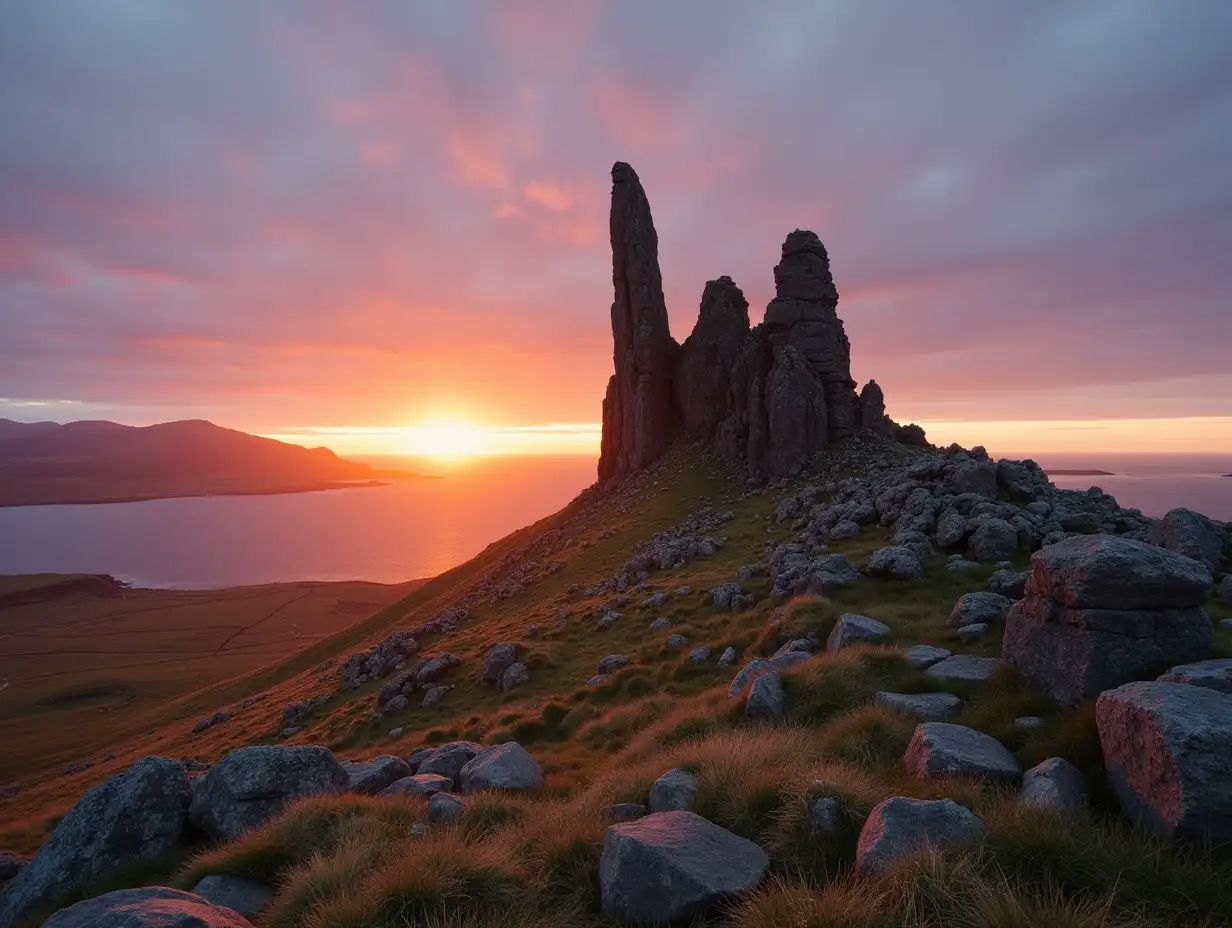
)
(703, 374)
(639, 419)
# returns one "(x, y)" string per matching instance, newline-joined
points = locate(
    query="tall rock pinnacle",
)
(703, 375)
(639, 418)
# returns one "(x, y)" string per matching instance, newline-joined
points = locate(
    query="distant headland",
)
(48, 463)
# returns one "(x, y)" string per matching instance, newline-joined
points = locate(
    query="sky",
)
(383, 225)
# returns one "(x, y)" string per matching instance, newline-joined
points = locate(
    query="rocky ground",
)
(910, 687)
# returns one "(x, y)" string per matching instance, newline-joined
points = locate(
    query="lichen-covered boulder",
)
(900, 828)
(852, 629)
(673, 791)
(132, 817)
(1168, 749)
(147, 907)
(1054, 784)
(766, 697)
(755, 668)
(1191, 534)
(503, 766)
(372, 776)
(449, 759)
(982, 608)
(671, 867)
(251, 785)
(942, 749)
(895, 562)
(993, 540)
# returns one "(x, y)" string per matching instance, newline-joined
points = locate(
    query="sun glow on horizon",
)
(449, 439)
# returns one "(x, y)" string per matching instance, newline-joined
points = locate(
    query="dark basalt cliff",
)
(769, 397)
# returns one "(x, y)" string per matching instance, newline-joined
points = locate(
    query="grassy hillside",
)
(518, 860)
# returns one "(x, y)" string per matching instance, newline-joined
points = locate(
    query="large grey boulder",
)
(502, 656)
(421, 784)
(967, 667)
(755, 668)
(895, 563)
(1191, 534)
(1054, 784)
(852, 629)
(251, 785)
(766, 697)
(232, 892)
(1111, 572)
(1213, 674)
(941, 749)
(503, 766)
(993, 540)
(934, 707)
(671, 867)
(449, 759)
(1008, 583)
(372, 776)
(132, 817)
(1168, 749)
(979, 608)
(673, 791)
(147, 907)
(900, 828)
(1102, 610)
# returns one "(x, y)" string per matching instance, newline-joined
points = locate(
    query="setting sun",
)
(446, 438)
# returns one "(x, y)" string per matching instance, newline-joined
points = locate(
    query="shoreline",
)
(151, 497)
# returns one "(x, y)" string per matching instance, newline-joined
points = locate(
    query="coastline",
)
(102, 500)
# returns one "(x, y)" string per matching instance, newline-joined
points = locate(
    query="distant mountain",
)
(92, 462)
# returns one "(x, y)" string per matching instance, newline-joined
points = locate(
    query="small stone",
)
(421, 784)
(900, 828)
(232, 892)
(728, 657)
(672, 791)
(445, 808)
(964, 667)
(982, 607)
(766, 697)
(944, 749)
(515, 675)
(433, 696)
(826, 815)
(935, 707)
(1008, 583)
(597, 679)
(1028, 722)
(921, 656)
(1054, 784)
(659, 625)
(896, 563)
(612, 663)
(372, 776)
(971, 633)
(676, 642)
(699, 655)
(850, 629)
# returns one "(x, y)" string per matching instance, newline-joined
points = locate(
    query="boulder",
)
(900, 828)
(895, 563)
(851, 629)
(612, 663)
(935, 707)
(147, 907)
(449, 759)
(1191, 534)
(129, 818)
(639, 407)
(921, 656)
(766, 697)
(251, 785)
(372, 776)
(755, 668)
(232, 892)
(445, 808)
(976, 476)
(676, 642)
(500, 658)
(940, 749)
(673, 791)
(993, 540)
(1167, 750)
(966, 667)
(983, 607)
(1214, 674)
(1111, 572)
(1054, 784)
(1008, 583)
(503, 766)
(971, 633)
(673, 867)
(421, 784)
(515, 675)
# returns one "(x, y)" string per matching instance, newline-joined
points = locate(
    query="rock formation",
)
(639, 416)
(769, 397)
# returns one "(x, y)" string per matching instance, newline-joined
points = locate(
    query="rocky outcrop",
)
(769, 397)
(639, 416)
(703, 374)
(147, 907)
(1101, 610)
(132, 817)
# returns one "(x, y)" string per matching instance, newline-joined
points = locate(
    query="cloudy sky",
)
(308, 215)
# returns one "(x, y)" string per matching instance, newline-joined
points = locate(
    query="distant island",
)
(43, 463)
(1079, 473)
